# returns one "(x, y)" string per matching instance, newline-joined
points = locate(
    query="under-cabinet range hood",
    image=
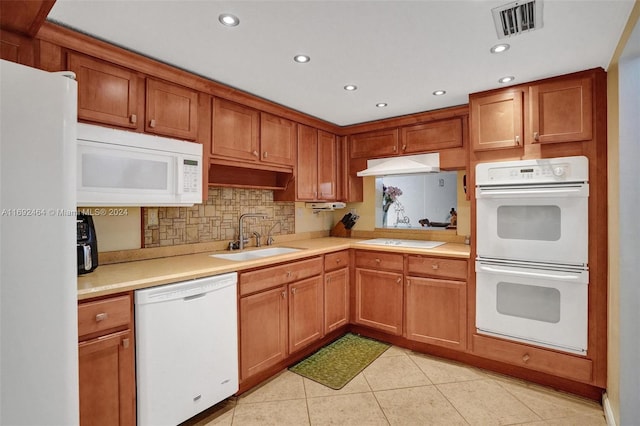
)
(404, 165)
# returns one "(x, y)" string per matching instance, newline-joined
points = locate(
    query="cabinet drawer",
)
(379, 260)
(103, 315)
(262, 279)
(336, 260)
(557, 364)
(437, 267)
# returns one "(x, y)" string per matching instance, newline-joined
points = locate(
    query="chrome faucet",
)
(269, 237)
(241, 238)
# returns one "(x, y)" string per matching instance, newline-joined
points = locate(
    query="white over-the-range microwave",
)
(123, 168)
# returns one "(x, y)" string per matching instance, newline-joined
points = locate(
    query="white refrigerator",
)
(38, 277)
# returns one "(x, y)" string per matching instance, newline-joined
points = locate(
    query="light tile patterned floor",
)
(405, 388)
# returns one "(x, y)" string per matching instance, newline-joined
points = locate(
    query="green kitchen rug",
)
(337, 363)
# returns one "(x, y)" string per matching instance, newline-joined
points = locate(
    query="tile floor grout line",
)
(452, 404)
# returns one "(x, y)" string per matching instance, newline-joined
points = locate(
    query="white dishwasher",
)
(186, 348)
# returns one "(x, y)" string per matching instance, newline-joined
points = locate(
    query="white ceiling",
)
(397, 52)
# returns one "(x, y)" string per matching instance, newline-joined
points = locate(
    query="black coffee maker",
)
(87, 244)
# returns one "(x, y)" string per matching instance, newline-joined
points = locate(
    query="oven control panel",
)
(566, 169)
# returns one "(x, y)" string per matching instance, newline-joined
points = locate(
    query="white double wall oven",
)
(532, 273)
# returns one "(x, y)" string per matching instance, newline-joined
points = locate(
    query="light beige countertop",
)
(122, 277)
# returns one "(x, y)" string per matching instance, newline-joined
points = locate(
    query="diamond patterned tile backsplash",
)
(217, 218)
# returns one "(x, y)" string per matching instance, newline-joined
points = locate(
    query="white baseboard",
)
(608, 412)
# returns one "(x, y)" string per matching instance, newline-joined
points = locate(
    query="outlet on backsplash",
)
(217, 218)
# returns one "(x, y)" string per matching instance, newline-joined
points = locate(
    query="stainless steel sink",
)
(256, 254)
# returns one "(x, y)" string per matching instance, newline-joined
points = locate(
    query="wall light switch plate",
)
(152, 217)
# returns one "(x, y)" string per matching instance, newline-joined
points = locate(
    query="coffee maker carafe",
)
(87, 244)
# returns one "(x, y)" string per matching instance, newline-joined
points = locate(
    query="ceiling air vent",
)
(517, 17)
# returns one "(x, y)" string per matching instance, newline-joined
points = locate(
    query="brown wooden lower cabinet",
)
(107, 388)
(336, 299)
(436, 311)
(263, 330)
(378, 297)
(306, 303)
(106, 359)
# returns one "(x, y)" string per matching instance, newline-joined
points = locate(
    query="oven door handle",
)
(575, 191)
(563, 277)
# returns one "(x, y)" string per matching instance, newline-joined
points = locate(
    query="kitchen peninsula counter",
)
(122, 277)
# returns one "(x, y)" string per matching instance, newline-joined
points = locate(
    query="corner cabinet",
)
(378, 291)
(336, 290)
(317, 165)
(106, 361)
(436, 301)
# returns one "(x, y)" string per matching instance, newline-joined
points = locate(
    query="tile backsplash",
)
(217, 218)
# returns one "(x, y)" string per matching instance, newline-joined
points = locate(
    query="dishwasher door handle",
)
(195, 296)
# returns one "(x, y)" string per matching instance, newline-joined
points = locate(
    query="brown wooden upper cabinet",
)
(236, 131)
(317, 165)
(107, 94)
(171, 110)
(431, 136)
(497, 120)
(277, 140)
(379, 143)
(561, 111)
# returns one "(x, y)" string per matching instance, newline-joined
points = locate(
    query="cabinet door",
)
(336, 299)
(306, 300)
(307, 173)
(497, 120)
(107, 94)
(561, 111)
(107, 380)
(235, 131)
(436, 312)
(171, 110)
(263, 331)
(379, 300)
(277, 140)
(327, 166)
(381, 143)
(432, 136)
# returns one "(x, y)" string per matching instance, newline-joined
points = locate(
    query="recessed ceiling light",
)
(507, 79)
(381, 104)
(228, 19)
(350, 87)
(439, 92)
(499, 48)
(301, 59)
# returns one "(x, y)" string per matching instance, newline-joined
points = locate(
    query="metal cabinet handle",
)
(265, 154)
(404, 148)
(101, 316)
(284, 294)
(536, 136)
(435, 266)
(526, 358)
(255, 154)
(288, 274)
(395, 148)
(377, 260)
(293, 290)
(399, 280)
(338, 260)
(133, 119)
(408, 283)
(518, 140)
(152, 123)
(125, 343)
